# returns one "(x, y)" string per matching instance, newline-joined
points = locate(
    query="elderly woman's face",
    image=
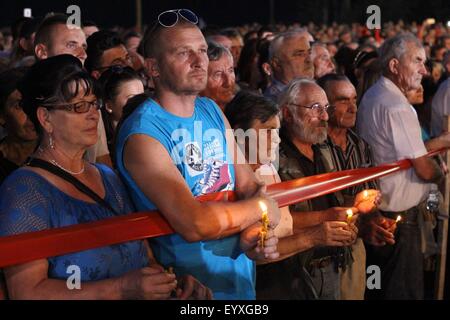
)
(267, 139)
(76, 130)
(16, 121)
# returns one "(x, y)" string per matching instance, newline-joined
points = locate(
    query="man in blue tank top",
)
(173, 148)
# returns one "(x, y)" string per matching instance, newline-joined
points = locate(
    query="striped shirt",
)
(357, 155)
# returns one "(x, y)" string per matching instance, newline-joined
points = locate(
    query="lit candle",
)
(399, 218)
(264, 221)
(349, 215)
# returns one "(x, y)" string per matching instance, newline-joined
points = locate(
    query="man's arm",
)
(151, 167)
(442, 141)
(427, 169)
(405, 132)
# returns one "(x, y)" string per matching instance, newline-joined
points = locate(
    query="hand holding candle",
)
(367, 200)
(250, 243)
(378, 230)
(394, 224)
(390, 225)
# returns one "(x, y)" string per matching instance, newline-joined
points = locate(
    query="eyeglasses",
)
(79, 107)
(316, 108)
(169, 18)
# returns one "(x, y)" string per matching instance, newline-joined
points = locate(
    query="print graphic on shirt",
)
(193, 158)
(215, 177)
(213, 173)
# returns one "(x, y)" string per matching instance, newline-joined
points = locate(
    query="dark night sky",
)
(231, 12)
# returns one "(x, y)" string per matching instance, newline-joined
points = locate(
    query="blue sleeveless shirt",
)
(198, 149)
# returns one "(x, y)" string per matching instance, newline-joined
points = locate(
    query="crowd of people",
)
(98, 123)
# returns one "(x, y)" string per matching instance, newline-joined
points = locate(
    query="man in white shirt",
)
(390, 125)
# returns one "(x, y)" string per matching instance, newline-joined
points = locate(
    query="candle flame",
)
(263, 207)
(349, 213)
(399, 218)
(366, 193)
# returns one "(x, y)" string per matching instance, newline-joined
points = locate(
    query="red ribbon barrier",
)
(31, 246)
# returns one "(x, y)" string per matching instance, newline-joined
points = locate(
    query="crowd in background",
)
(79, 101)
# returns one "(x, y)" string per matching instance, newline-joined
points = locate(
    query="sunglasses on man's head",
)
(170, 18)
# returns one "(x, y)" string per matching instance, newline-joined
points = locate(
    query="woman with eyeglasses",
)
(115, 87)
(58, 98)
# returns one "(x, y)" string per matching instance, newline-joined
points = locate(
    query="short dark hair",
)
(51, 81)
(325, 80)
(247, 107)
(98, 43)
(44, 32)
